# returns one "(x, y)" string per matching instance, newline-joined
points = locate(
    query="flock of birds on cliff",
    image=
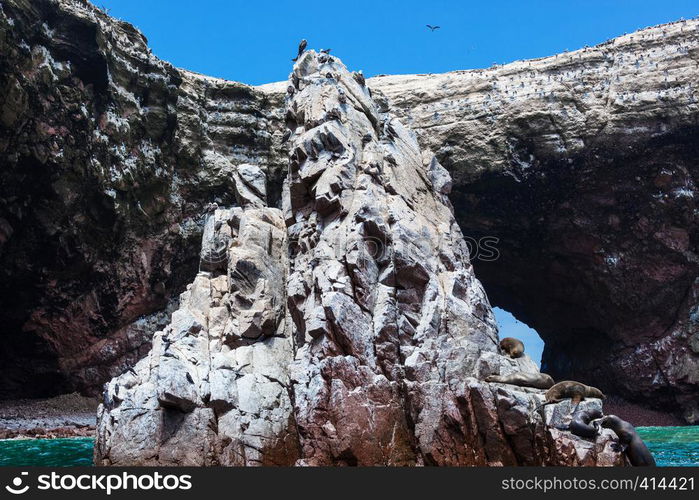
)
(537, 88)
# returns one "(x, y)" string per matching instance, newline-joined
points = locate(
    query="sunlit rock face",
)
(584, 165)
(346, 329)
(214, 387)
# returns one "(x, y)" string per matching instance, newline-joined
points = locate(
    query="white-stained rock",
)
(214, 389)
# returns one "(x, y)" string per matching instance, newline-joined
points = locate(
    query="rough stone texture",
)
(584, 165)
(374, 353)
(64, 416)
(214, 390)
(108, 157)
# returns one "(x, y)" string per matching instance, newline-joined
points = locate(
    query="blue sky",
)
(253, 41)
(512, 327)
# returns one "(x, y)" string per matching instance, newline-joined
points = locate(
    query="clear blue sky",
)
(253, 41)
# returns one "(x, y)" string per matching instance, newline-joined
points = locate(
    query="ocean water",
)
(671, 446)
(46, 452)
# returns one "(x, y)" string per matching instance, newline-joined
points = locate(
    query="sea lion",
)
(636, 450)
(513, 347)
(569, 389)
(580, 423)
(537, 380)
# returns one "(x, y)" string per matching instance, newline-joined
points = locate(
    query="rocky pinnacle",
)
(346, 329)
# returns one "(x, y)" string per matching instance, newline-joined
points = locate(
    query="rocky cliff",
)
(112, 162)
(584, 166)
(109, 159)
(347, 329)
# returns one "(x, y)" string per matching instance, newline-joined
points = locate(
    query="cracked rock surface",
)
(108, 158)
(375, 352)
(582, 165)
(214, 389)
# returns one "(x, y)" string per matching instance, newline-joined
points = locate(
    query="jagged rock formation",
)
(583, 165)
(376, 355)
(214, 388)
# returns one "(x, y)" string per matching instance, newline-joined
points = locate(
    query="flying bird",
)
(302, 47)
(432, 28)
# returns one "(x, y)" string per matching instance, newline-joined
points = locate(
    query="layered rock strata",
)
(109, 157)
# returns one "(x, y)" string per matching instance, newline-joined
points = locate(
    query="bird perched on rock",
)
(432, 28)
(359, 77)
(325, 51)
(302, 47)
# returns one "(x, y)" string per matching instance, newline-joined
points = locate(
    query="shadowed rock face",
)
(108, 157)
(584, 165)
(377, 354)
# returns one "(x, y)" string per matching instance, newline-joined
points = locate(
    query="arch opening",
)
(510, 326)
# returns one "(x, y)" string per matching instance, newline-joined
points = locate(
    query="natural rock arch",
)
(583, 165)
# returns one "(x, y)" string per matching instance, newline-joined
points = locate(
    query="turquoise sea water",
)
(46, 452)
(671, 446)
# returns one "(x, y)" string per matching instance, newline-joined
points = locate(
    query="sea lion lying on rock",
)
(537, 380)
(580, 423)
(513, 347)
(636, 450)
(569, 389)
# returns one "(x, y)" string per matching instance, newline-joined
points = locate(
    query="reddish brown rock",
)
(582, 165)
(106, 189)
(108, 158)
